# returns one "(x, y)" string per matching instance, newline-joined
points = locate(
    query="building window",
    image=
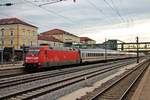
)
(11, 33)
(29, 33)
(11, 42)
(2, 42)
(31, 43)
(2, 30)
(24, 38)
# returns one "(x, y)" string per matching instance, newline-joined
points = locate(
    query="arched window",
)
(11, 33)
(2, 30)
(11, 42)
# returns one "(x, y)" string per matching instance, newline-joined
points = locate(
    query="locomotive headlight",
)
(36, 58)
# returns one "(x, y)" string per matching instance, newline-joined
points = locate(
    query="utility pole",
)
(13, 55)
(137, 43)
(2, 41)
(2, 52)
(23, 50)
(53, 1)
(105, 49)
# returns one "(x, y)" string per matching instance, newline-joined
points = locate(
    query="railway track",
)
(11, 72)
(37, 76)
(119, 89)
(35, 88)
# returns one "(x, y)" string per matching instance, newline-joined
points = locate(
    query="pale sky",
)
(97, 19)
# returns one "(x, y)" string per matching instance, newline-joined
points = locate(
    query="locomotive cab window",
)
(33, 51)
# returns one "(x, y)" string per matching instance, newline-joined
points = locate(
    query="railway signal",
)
(137, 43)
(105, 49)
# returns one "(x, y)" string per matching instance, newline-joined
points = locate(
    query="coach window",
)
(100, 54)
(82, 54)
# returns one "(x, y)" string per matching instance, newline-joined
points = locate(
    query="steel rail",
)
(4, 84)
(133, 83)
(11, 72)
(69, 81)
(120, 79)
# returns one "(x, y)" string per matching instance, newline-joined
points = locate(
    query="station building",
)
(67, 38)
(85, 43)
(17, 33)
(112, 44)
(86, 40)
(49, 40)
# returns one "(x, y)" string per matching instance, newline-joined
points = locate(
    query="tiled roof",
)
(57, 32)
(48, 38)
(86, 39)
(8, 21)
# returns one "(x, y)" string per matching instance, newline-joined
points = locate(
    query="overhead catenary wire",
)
(128, 20)
(52, 2)
(98, 9)
(115, 7)
(27, 20)
(116, 11)
(50, 11)
(56, 1)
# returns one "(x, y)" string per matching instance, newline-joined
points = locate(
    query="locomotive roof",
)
(56, 48)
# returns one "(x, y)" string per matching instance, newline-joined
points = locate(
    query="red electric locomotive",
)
(47, 57)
